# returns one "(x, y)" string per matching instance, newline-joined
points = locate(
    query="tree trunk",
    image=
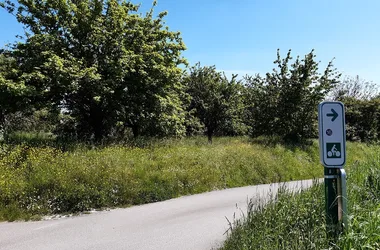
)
(135, 131)
(97, 123)
(2, 125)
(98, 131)
(209, 135)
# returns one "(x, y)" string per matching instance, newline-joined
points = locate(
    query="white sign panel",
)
(332, 134)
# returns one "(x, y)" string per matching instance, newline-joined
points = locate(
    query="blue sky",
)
(242, 36)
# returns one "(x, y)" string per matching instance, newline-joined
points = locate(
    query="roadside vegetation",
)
(297, 221)
(42, 180)
(38, 180)
(90, 89)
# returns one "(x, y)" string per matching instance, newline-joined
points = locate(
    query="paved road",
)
(191, 222)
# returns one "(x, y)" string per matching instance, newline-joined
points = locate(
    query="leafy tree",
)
(354, 87)
(103, 64)
(13, 93)
(34, 121)
(284, 103)
(362, 108)
(215, 100)
(362, 118)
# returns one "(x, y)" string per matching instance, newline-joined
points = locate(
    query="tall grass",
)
(297, 221)
(40, 180)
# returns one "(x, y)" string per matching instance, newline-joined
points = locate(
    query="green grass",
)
(297, 221)
(31, 138)
(42, 180)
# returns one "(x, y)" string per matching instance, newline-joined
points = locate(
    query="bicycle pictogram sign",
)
(334, 150)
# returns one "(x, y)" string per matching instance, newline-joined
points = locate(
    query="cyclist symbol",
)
(333, 152)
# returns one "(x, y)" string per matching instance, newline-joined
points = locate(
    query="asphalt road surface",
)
(191, 222)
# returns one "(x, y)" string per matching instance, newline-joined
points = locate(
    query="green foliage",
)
(297, 221)
(362, 119)
(284, 102)
(40, 180)
(31, 138)
(362, 108)
(31, 121)
(103, 64)
(215, 100)
(103, 71)
(288, 221)
(364, 198)
(13, 93)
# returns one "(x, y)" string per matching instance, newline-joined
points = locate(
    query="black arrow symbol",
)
(334, 115)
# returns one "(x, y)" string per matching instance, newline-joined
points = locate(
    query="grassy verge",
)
(297, 221)
(37, 180)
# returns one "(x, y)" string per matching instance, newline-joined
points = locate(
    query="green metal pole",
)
(343, 199)
(331, 201)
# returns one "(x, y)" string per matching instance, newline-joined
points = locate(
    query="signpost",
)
(332, 145)
(332, 134)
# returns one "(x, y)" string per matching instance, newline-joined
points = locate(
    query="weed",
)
(297, 221)
(42, 180)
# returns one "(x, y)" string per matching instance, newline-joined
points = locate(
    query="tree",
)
(284, 103)
(356, 88)
(103, 64)
(362, 118)
(215, 100)
(14, 95)
(362, 105)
